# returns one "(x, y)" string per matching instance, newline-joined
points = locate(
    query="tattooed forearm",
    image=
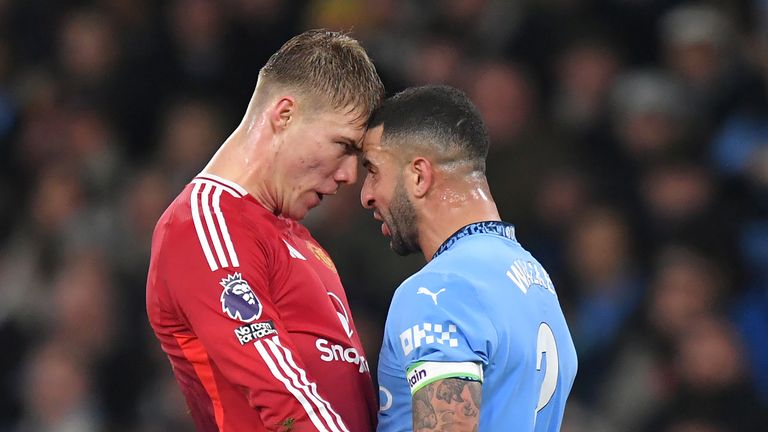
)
(424, 416)
(450, 390)
(451, 404)
(476, 392)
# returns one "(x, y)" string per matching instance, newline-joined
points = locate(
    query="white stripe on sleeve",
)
(200, 230)
(211, 226)
(223, 226)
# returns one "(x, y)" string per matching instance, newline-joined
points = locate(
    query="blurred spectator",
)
(585, 72)
(561, 197)
(143, 200)
(87, 50)
(343, 14)
(650, 118)
(200, 55)
(639, 378)
(83, 315)
(506, 99)
(680, 203)
(7, 106)
(40, 139)
(95, 151)
(608, 288)
(750, 311)
(698, 42)
(35, 249)
(712, 382)
(58, 394)
(190, 133)
(485, 26)
(435, 59)
(651, 114)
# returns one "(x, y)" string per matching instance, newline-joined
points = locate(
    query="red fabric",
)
(308, 368)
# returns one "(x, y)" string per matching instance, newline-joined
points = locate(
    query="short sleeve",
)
(437, 318)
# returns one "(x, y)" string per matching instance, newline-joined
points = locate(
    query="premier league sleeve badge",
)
(238, 300)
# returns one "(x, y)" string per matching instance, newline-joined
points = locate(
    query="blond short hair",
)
(328, 65)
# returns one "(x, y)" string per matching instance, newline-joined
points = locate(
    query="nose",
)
(347, 172)
(366, 195)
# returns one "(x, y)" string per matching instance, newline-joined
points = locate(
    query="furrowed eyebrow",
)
(352, 146)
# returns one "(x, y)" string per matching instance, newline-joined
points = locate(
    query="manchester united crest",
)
(321, 255)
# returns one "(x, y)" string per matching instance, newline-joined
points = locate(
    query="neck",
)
(451, 208)
(245, 159)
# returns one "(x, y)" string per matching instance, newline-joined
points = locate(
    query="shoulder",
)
(432, 286)
(212, 199)
(220, 221)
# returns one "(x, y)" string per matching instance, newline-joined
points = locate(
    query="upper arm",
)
(445, 338)
(451, 404)
(437, 318)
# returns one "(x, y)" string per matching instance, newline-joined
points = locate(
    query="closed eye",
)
(348, 146)
(369, 166)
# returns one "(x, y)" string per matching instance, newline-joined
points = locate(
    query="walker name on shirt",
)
(426, 334)
(254, 331)
(526, 273)
(336, 352)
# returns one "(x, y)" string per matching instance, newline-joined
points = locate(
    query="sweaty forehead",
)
(372, 139)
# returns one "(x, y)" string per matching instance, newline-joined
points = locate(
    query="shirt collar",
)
(499, 228)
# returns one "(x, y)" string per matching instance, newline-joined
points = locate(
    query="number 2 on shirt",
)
(545, 344)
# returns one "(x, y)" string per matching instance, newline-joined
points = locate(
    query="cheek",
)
(321, 161)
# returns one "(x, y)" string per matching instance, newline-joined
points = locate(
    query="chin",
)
(296, 215)
(402, 248)
(401, 252)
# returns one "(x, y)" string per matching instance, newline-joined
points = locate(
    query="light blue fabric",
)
(482, 299)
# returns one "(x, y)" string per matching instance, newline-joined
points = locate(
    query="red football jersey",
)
(253, 317)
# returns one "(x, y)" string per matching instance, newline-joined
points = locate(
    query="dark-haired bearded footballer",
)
(475, 340)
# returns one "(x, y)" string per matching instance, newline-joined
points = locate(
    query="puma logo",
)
(426, 291)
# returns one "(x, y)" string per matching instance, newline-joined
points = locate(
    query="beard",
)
(404, 238)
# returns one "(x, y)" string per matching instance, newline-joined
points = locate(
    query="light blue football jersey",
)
(482, 299)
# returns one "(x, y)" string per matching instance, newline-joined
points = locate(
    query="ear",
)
(282, 112)
(422, 176)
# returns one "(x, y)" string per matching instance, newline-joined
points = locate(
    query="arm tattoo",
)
(451, 404)
(423, 413)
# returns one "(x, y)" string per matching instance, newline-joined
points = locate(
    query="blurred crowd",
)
(629, 146)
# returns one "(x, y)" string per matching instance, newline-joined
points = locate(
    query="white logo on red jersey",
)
(335, 352)
(255, 331)
(294, 253)
(341, 312)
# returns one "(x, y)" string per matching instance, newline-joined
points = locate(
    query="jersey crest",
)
(321, 255)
